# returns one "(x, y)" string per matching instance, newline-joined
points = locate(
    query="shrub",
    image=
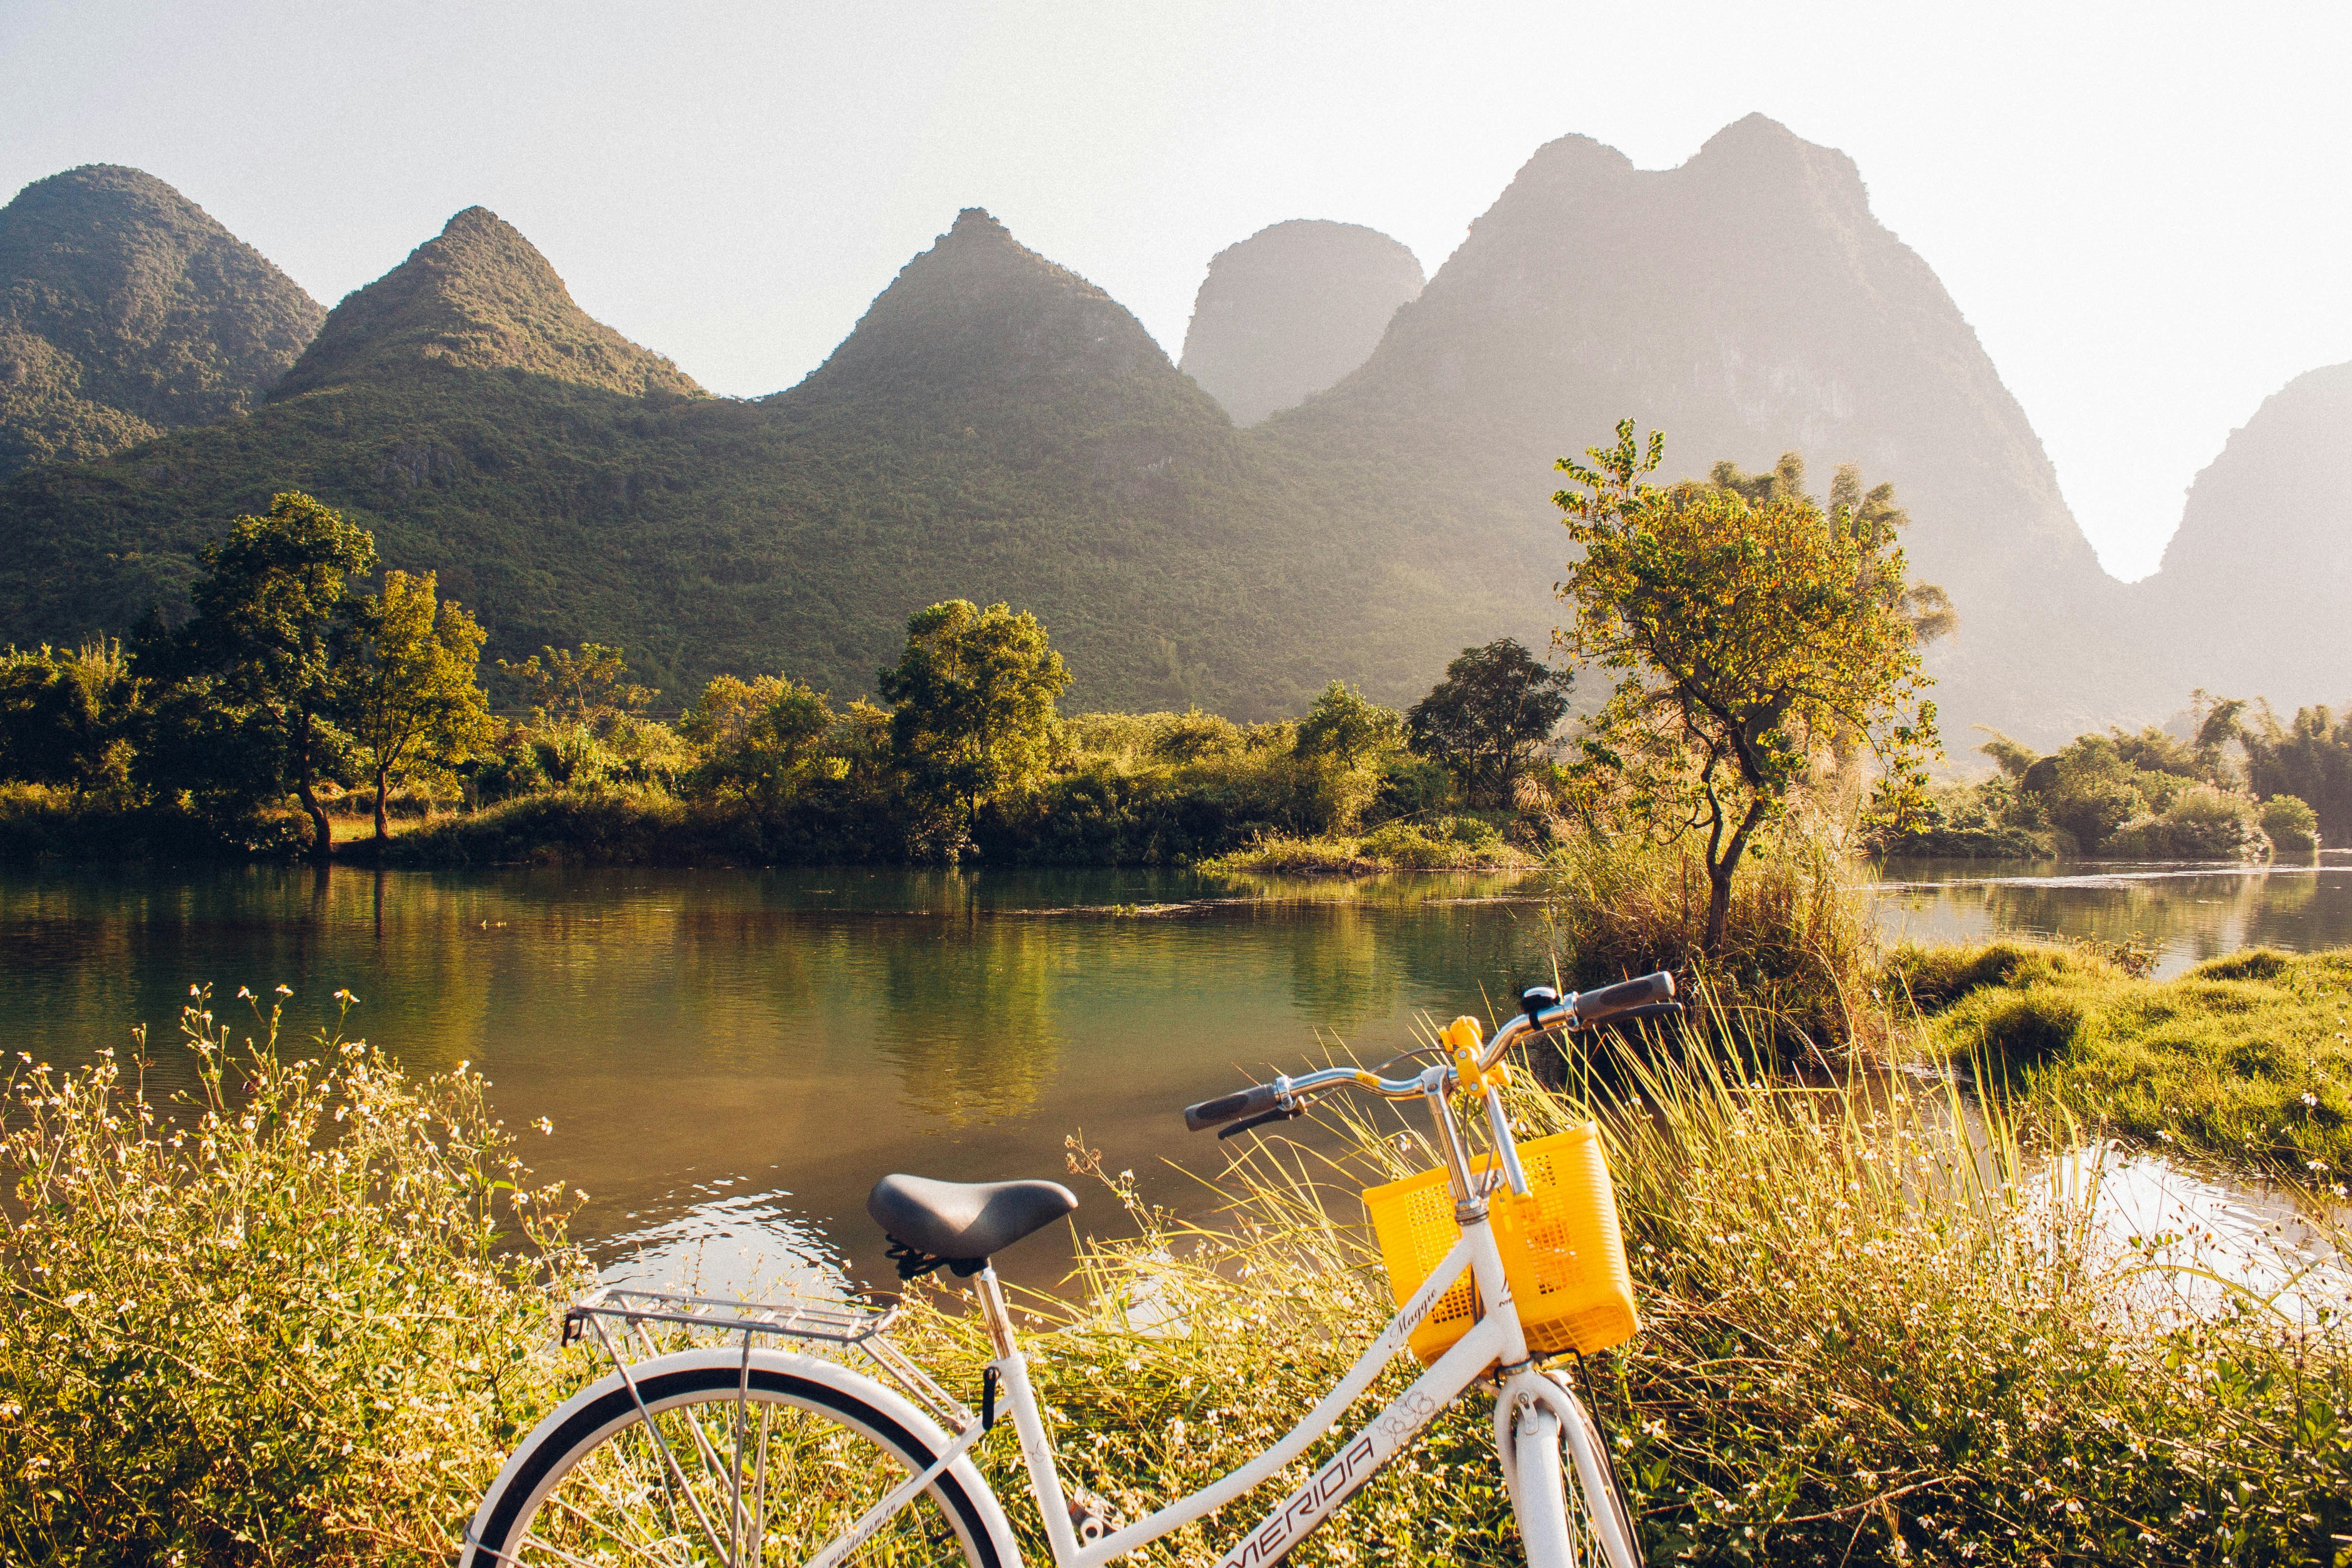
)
(1799, 957)
(2293, 827)
(283, 1322)
(2202, 823)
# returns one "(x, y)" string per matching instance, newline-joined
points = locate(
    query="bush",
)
(283, 1323)
(2201, 823)
(1799, 959)
(2293, 827)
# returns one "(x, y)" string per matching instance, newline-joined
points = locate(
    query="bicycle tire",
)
(591, 1485)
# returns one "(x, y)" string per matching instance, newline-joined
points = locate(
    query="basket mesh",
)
(1562, 1252)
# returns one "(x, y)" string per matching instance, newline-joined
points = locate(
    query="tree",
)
(1342, 740)
(1496, 706)
(972, 701)
(1754, 633)
(589, 687)
(261, 647)
(406, 683)
(65, 716)
(762, 737)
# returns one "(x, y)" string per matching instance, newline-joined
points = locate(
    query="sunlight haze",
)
(2142, 211)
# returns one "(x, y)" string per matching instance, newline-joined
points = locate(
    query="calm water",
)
(731, 1058)
(2188, 912)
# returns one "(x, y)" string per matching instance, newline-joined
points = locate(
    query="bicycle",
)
(684, 1459)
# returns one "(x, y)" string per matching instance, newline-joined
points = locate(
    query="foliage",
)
(2243, 1059)
(590, 687)
(2291, 825)
(288, 1321)
(406, 683)
(2308, 757)
(758, 738)
(68, 718)
(1496, 705)
(126, 310)
(2150, 795)
(257, 659)
(1792, 972)
(1447, 844)
(1752, 635)
(972, 701)
(1345, 742)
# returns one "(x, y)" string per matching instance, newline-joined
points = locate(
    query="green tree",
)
(590, 687)
(1752, 635)
(407, 682)
(67, 716)
(972, 701)
(1495, 707)
(761, 738)
(258, 656)
(1342, 742)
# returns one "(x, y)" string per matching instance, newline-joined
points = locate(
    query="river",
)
(730, 1058)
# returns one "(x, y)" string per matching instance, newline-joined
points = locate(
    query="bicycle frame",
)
(1495, 1341)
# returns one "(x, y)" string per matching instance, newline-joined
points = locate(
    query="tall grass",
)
(1873, 1332)
(283, 1322)
(1798, 971)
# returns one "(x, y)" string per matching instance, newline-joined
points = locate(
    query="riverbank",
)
(1871, 1335)
(2246, 1059)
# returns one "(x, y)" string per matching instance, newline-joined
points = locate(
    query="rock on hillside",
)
(2255, 590)
(1291, 310)
(478, 297)
(126, 309)
(1747, 303)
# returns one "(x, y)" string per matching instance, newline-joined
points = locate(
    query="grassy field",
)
(304, 1321)
(2247, 1058)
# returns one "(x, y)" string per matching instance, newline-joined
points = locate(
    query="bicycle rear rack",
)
(841, 1323)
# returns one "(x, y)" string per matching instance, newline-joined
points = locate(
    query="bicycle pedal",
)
(1091, 1518)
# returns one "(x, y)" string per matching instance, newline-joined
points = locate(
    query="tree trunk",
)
(323, 834)
(383, 831)
(1719, 872)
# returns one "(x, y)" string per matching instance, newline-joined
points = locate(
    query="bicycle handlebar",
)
(1647, 998)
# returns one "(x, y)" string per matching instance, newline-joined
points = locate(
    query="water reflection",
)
(2189, 912)
(803, 1032)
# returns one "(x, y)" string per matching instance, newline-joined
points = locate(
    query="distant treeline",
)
(289, 700)
(2243, 783)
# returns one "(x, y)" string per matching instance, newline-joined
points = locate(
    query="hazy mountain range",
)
(1351, 482)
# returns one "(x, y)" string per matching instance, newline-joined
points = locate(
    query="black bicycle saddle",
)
(963, 1223)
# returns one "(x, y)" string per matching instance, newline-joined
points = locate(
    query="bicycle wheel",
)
(702, 1467)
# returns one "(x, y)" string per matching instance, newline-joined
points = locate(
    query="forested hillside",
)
(125, 310)
(996, 427)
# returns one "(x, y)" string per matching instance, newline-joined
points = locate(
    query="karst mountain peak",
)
(478, 297)
(980, 313)
(126, 309)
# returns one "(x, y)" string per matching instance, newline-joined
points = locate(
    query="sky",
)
(2143, 210)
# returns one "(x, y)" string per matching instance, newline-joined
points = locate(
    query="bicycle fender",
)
(883, 1400)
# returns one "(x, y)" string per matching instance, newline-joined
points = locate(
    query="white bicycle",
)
(744, 1456)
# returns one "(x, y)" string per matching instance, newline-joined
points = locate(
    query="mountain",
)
(125, 310)
(995, 428)
(2256, 587)
(1747, 303)
(476, 297)
(1292, 308)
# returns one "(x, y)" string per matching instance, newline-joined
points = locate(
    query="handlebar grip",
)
(1599, 1006)
(1224, 1108)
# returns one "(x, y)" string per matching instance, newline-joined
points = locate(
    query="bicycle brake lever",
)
(1260, 1119)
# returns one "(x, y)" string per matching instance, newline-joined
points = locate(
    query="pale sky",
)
(2143, 209)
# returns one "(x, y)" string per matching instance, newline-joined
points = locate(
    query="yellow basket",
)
(1561, 1249)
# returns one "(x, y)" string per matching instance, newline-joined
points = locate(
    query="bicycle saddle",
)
(961, 1223)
